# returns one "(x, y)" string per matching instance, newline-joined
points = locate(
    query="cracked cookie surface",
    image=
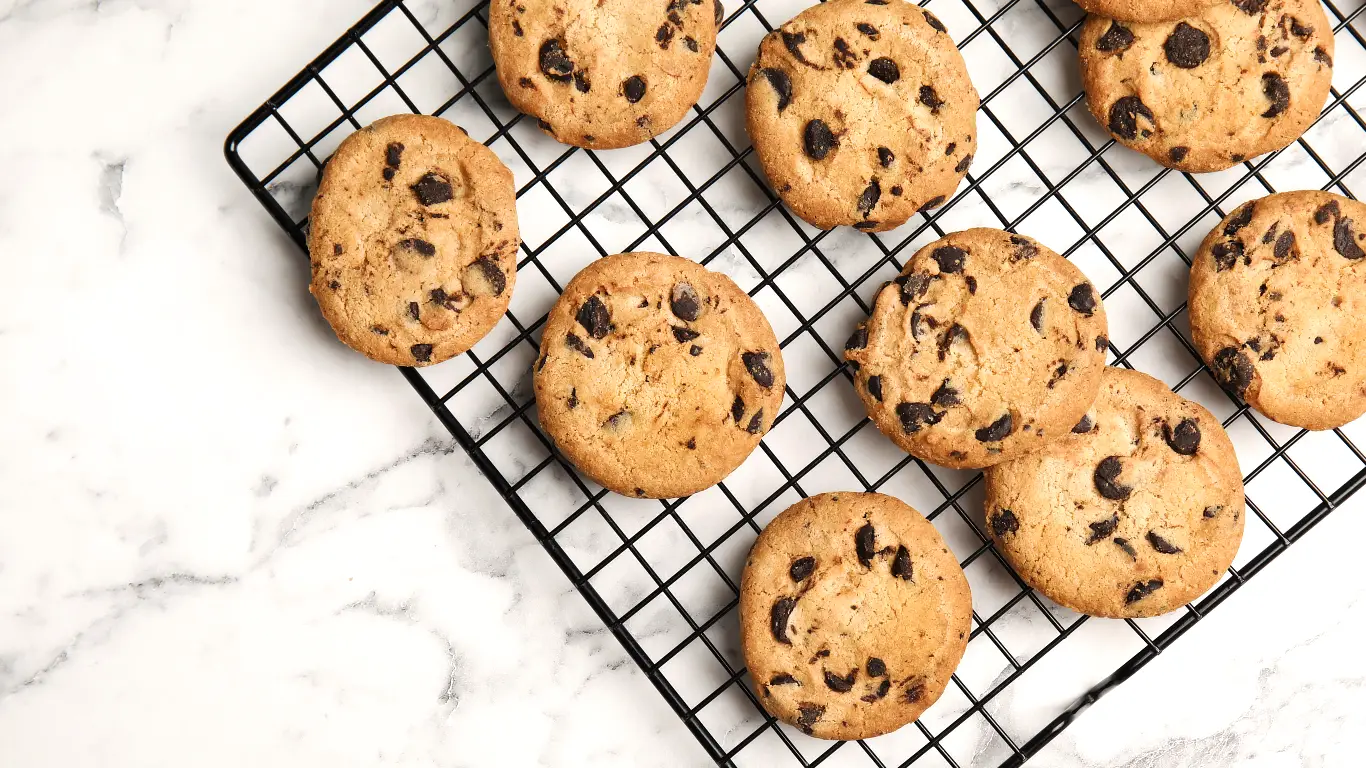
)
(1237, 80)
(853, 615)
(1135, 512)
(987, 346)
(1278, 307)
(603, 74)
(861, 113)
(657, 377)
(413, 241)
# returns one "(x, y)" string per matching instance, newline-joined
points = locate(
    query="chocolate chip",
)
(694, 350)
(1250, 7)
(756, 422)
(801, 568)
(1185, 439)
(423, 247)
(581, 83)
(618, 421)
(634, 88)
(1345, 240)
(757, 365)
(1036, 316)
(913, 416)
(1327, 212)
(793, 42)
(1116, 39)
(1213, 511)
(1279, 51)
(931, 99)
(573, 401)
(1277, 91)
(946, 396)
(1083, 299)
(875, 387)
(818, 140)
(545, 126)
(885, 157)
(484, 277)
(1322, 57)
(901, 564)
(964, 164)
(422, 352)
(1102, 343)
(782, 85)
(865, 544)
(379, 330)
(393, 156)
(1144, 588)
(1058, 373)
(1240, 219)
(868, 200)
(876, 667)
(439, 296)
(950, 148)
(555, 63)
(934, 21)
(1124, 114)
(1233, 370)
(595, 317)
(1003, 522)
(858, 339)
(1106, 479)
(737, 409)
(1024, 248)
(719, 12)
(1084, 426)
(1177, 154)
(1127, 547)
(664, 35)
(868, 30)
(578, 345)
(884, 69)
(684, 302)
(414, 310)
(778, 616)
(524, 82)
(913, 286)
(866, 226)
(1283, 245)
(845, 57)
(998, 430)
(337, 249)
(1162, 545)
(937, 200)
(1187, 47)
(1226, 254)
(516, 28)
(949, 258)
(691, 44)
(432, 189)
(1103, 529)
(955, 332)
(896, 190)
(841, 684)
(684, 335)
(783, 679)
(915, 692)
(808, 715)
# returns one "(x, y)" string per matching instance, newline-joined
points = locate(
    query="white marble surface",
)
(226, 540)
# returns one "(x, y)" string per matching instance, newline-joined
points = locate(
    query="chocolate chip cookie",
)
(861, 113)
(986, 347)
(1135, 512)
(657, 376)
(853, 615)
(1146, 10)
(413, 241)
(1278, 307)
(603, 73)
(1241, 78)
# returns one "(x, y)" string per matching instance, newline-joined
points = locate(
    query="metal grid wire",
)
(663, 576)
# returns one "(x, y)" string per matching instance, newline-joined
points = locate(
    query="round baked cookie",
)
(413, 241)
(1136, 512)
(1278, 307)
(657, 377)
(861, 113)
(987, 346)
(853, 615)
(1146, 10)
(1239, 79)
(603, 73)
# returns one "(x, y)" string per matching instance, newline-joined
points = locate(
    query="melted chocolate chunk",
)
(595, 318)
(685, 303)
(484, 275)
(793, 42)
(875, 387)
(885, 158)
(946, 396)
(1177, 154)
(955, 332)
(1240, 219)
(1186, 47)
(1124, 115)
(868, 200)
(1084, 426)
(996, 431)
(757, 365)
(949, 258)
(868, 30)
(1106, 478)
(1226, 254)
(684, 335)
(865, 544)
(802, 568)
(817, 140)
(934, 21)
(555, 63)
(1127, 547)
(858, 339)
(808, 715)
(422, 247)
(1250, 7)
(1083, 299)
(1116, 39)
(901, 564)
(914, 416)
(433, 189)
(1284, 244)
(782, 85)
(756, 422)
(1141, 590)
(1184, 439)
(581, 83)
(1103, 529)
(578, 345)
(841, 684)
(1003, 522)
(422, 352)
(931, 99)
(633, 88)
(778, 616)
(1233, 370)
(884, 69)
(1162, 545)
(1036, 316)
(1277, 91)
(737, 409)
(913, 286)
(876, 667)
(783, 679)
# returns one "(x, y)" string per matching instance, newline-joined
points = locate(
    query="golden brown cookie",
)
(413, 241)
(606, 73)
(853, 615)
(861, 113)
(1278, 307)
(1239, 79)
(1136, 512)
(987, 346)
(1146, 10)
(657, 376)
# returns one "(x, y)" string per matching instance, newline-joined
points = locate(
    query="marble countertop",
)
(226, 540)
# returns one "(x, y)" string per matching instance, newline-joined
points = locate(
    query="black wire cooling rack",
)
(663, 576)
